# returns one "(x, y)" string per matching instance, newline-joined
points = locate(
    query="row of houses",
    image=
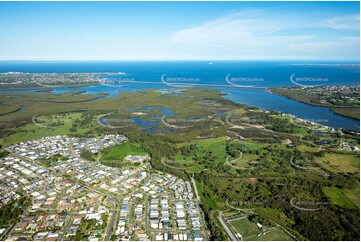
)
(177, 237)
(124, 215)
(47, 147)
(182, 190)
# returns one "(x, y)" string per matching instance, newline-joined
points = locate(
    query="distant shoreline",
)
(339, 110)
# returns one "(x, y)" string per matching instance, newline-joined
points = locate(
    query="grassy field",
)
(242, 163)
(307, 148)
(245, 228)
(340, 162)
(343, 197)
(274, 235)
(249, 144)
(231, 213)
(185, 162)
(250, 232)
(216, 145)
(118, 152)
(301, 131)
(32, 131)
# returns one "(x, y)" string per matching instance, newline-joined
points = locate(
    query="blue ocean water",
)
(148, 74)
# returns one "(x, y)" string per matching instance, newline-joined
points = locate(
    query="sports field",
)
(250, 232)
(245, 228)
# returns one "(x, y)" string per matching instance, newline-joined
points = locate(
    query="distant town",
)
(343, 100)
(342, 95)
(23, 80)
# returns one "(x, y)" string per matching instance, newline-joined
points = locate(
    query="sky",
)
(179, 30)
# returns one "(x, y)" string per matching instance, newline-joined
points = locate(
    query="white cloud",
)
(264, 34)
(246, 27)
(349, 22)
(250, 27)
